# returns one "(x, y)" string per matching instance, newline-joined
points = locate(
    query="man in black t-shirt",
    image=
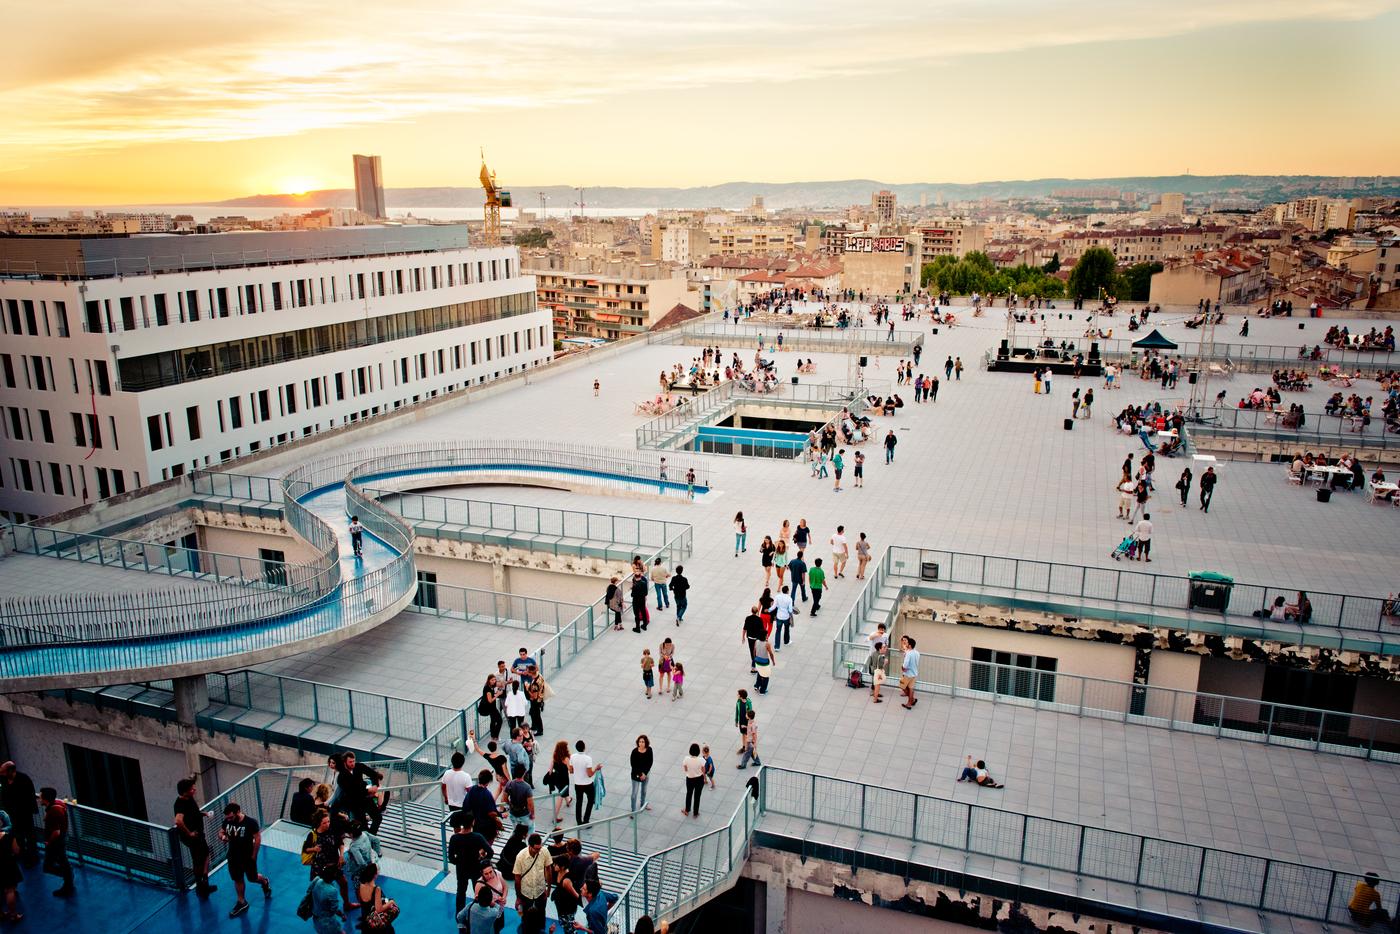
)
(754, 633)
(244, 838)
(467, 851)
(189, 823)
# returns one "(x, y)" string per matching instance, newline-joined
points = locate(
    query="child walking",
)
(709, 765)
(648, 663)
(677, 680)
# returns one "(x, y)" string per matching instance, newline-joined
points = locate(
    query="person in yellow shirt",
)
(1365, 902)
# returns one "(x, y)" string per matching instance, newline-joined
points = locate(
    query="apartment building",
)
(1226, 276)
(1144, 244)
(882, 208)
(1170, 204)
(950, 238)
(130, 360)
(607, 299)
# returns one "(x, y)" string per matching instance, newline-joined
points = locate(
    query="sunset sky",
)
(159, 101)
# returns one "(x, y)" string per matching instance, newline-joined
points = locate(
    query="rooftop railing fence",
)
(1226, 426)
(572, 531)
(1153, 863)
(1223, 716)
(1266, 357)
(1156, 599)
(609, 465)
(827, 339)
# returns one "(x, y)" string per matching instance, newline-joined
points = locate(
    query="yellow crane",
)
(495, 200)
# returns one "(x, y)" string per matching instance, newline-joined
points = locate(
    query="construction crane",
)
(495, 200)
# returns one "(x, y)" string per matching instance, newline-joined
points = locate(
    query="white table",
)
(1206, 460)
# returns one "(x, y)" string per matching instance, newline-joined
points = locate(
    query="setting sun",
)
(298, 185)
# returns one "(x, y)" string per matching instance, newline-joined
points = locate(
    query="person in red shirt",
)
(56, 841)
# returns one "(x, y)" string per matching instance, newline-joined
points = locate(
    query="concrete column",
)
(500, 577)
(191, 696)
(775, 905)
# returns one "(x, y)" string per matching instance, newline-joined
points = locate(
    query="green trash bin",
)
(1210, 590)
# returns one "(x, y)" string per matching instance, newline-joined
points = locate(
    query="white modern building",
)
(134, 359)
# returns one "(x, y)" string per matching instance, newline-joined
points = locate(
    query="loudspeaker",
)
(1003, 352)
(1192, 377)
(1069, 424)
(862, 361)
(794, 380)
(935, 330)
(928, 570)
(1300, 325)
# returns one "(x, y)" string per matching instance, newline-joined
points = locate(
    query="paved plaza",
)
(987, 469)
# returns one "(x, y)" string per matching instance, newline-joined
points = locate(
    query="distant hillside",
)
(826, 194)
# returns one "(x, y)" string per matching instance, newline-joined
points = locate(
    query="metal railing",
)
(1147, 598)
(1224, 716)
(675, 880)
(798, 337)
(1246, 429)
(116, 616)
(1228, 876)
(170, 560)
(493, 608)
(560, 531)
(1265, 357)
(138, 849)
(677, 427)
(612, 466)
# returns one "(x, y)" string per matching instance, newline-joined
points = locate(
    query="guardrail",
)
(672, 881)
(1219, 715)
(1153, 599)
(614, 466)
(678, 426)
(1227, 876)
(138, 849)
(493, 607)
(1266, 356)
(1225, 428)
(824, 339)
(572, 529)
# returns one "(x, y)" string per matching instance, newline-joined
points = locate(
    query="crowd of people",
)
(1374, 340)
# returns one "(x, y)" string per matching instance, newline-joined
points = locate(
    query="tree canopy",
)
(976, 272)
(1096, 270)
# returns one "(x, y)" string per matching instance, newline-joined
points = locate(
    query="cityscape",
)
(350, 452)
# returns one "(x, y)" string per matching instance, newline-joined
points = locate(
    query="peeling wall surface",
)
(818, 895)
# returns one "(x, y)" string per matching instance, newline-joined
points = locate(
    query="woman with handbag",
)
(614, 601)
(377, 913)
(487, 706)
(537, 691)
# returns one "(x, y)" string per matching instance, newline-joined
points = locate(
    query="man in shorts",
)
(908, 671)
(244, 838)
(840, 552)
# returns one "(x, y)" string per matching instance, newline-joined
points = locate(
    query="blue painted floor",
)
(107, 903)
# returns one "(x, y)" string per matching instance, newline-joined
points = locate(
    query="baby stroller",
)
(1128, 547)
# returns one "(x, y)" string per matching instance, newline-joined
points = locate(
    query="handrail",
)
(1162, 597)
(602, 462)
(1259, 883)
(672, 879)
(138, 849)
(532, 520)
(1223, 715)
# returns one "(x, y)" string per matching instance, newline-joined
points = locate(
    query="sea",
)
(202, 212)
